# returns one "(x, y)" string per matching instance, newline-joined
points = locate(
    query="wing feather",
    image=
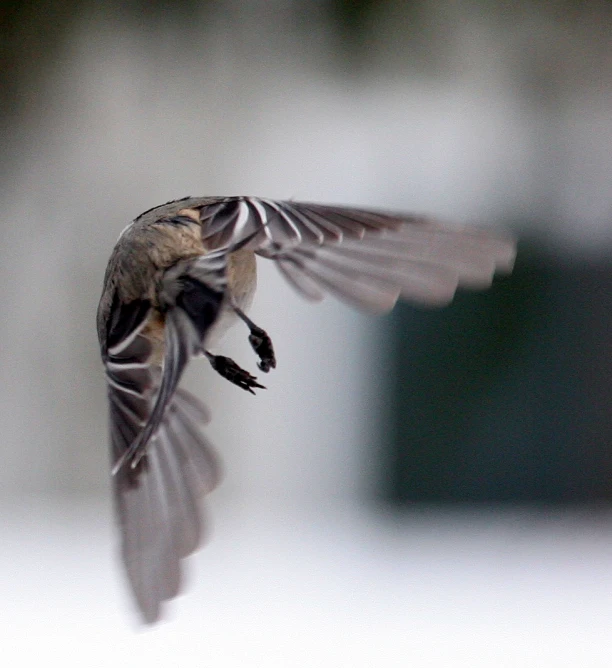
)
(162, 463)
(367, 258)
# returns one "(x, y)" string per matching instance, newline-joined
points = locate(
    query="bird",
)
(180, 275)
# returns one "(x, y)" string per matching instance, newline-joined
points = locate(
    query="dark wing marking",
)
(367, 258)
(125, 318)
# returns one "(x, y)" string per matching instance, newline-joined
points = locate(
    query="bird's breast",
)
(242, 277)
(241, 282)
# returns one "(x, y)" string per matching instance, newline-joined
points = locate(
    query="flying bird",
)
(184, 272)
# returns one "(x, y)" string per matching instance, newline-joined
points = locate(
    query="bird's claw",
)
(262, 345)
(227, 368)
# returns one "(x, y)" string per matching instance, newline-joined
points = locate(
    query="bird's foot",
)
(262, 345)
(260, 342)
(227, 368)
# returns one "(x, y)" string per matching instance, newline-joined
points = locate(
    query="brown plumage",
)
(180, 275)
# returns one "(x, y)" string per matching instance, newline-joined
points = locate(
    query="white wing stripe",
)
(315, 220)
(124, 343)
(242, 219)
(126, 366)
(261, 212)
(122, 388)
(280, 210)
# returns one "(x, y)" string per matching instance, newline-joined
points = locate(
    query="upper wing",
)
(162, 464)
(366, 258)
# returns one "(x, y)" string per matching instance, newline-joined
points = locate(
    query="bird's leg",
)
(232, 372)
(260, 342)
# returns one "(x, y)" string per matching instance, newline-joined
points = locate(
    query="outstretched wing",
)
(367, 258)
(162, 464)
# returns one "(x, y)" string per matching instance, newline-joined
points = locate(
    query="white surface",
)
(278, 586)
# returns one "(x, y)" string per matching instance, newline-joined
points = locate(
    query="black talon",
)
(262, 345)
(260, 342)
(227, 368)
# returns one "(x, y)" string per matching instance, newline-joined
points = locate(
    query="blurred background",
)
(428, 489)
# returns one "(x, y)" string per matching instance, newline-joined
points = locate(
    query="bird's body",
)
(242, 276)
(180, 275)
(145, 250)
